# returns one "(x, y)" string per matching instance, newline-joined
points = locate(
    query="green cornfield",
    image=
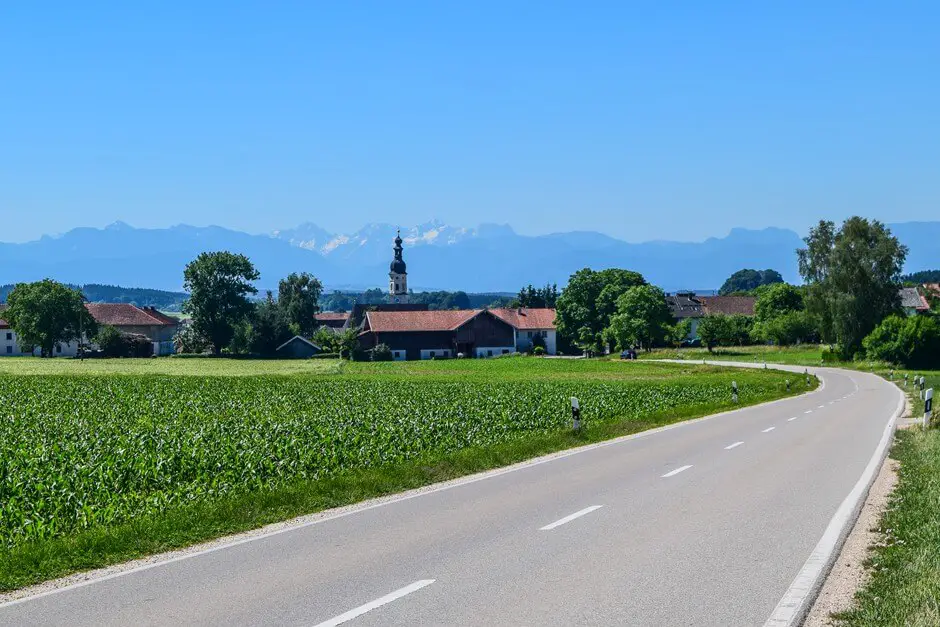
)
(78, 452)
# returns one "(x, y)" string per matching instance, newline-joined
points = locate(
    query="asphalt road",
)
(707, 523)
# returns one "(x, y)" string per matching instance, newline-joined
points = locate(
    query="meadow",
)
(90, 451)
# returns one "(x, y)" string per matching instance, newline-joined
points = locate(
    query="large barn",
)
(412, 332)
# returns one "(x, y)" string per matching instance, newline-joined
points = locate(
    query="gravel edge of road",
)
(849, 573)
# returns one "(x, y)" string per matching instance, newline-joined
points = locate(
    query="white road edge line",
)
(768, 429)
(368, 607)
(673, 473)
(88, 578)
(794, 605)
(735, 445)
(568, 519)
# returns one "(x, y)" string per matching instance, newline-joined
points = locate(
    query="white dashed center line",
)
(368, 607)
(676, 471)
(792, 419)
(768, 429)
(808, 411)
(735, 445)
(568, 519)
(820, 407)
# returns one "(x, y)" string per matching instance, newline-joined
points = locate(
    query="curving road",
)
(710, 522)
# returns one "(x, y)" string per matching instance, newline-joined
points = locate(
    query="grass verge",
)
(904, 588)
(34, 562)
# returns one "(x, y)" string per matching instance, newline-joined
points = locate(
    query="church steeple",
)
(398, 275)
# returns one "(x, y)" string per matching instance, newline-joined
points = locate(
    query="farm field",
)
(104, 464)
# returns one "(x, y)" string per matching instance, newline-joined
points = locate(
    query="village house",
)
(411, 331)
(912, 302)
(126, 318)
(686, 305)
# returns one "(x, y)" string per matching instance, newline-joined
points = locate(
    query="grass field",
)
(113, 461)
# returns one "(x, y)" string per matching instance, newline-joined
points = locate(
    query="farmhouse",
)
(438, 334)
(912, 302)
(686, 305)
(126, 318)
(411, 331)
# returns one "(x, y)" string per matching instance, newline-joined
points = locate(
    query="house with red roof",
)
(530, 324)
(126, 318)
(417, 334)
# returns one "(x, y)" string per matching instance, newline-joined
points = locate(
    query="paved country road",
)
(707, 523)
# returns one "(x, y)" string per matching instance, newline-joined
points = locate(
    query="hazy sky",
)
(644, 120)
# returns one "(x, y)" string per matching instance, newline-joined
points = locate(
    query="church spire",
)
(398, 274)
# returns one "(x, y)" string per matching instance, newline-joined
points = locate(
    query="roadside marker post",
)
(806, 372)
(905, 379)
(734, 392)
(575, 414)
(928, 406)
(788, 385)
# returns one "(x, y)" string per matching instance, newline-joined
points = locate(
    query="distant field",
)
(807, 355)
(85, 454)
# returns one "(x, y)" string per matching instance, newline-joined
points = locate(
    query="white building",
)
(529, 326)
(126, 318)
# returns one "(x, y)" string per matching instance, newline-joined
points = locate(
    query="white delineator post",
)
(575, 414)
(928, 406)
(734, 392)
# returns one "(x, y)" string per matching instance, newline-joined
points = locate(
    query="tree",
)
(219, 284)
(853, 277)
(47, 313)
(721, 330)
(679, 332)
(268, 327)
(786, 329)
(776, 300)
(298, 297)
(747, 280)
(189, 341)
(912, 342)
(381, 353)
(537, 297)
(642, 318)
(111, 341)
(584, 308)
(347, 343)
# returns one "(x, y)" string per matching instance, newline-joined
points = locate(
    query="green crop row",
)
(79, 452)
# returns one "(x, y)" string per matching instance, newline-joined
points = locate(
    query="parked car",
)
(628, 354)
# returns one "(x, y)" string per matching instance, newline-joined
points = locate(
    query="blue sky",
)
(644, 120)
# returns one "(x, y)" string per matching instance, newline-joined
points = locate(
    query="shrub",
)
(911, 342)
(382, 353)
(538, 351)
(110, 341)
(113, 343)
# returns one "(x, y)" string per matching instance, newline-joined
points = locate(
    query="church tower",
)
(397, 276)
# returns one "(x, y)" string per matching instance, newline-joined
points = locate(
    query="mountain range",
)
(489, 257)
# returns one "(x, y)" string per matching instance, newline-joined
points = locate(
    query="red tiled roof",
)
(331, 315)
(524, 318)
(728, 305)
(120, 314)
(911, 298)
(932, 287)
(126, 315)
(399, 321)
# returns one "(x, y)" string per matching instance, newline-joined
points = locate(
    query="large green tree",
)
(47, 313)
(219, 284)
(852, 276)
(748, 280)
(269, 327)
(776, 300)
(584, 308)
(298, 297)
(536, 297)
(642, 318)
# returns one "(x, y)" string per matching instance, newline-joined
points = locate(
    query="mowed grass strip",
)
(100, 469)
(904, 588)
